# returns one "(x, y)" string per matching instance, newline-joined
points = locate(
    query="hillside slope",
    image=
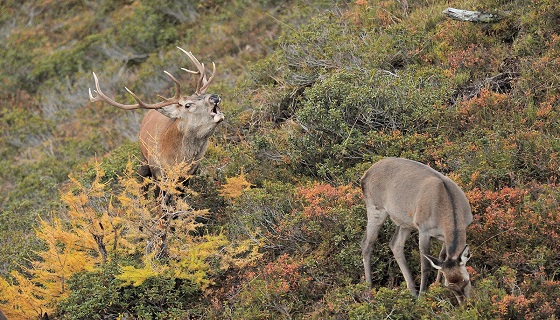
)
(314, 93)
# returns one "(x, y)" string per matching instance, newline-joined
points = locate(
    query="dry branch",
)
(471, 16)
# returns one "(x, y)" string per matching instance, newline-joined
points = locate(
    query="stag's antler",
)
(141, 104)
(201, 87)
(202, 83)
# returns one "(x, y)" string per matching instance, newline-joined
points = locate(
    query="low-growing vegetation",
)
(314, 92)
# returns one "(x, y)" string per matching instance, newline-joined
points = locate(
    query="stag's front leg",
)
(397, 246)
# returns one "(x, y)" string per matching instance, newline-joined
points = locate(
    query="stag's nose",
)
(214, 98)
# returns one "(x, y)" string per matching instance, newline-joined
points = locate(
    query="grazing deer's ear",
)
(171, 111)
(465, 255)
(433, 261)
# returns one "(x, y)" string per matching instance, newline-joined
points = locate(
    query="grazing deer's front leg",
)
(397, 246)
(425, 268)
(376, 218)
(442, 257)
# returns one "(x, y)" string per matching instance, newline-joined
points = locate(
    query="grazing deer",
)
(175, 130)
(416, 197)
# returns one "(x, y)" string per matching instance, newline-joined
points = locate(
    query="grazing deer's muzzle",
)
(461, 288)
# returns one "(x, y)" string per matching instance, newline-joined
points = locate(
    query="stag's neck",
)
(184, 144)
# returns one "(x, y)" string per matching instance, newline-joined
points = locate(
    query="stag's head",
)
(200, 111)
(454, 271)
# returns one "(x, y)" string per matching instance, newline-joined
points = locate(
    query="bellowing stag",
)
(177, 129)
(416, 197)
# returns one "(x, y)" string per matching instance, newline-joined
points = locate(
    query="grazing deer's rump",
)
(417, 197)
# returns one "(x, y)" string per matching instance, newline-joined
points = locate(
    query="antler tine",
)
(102, 97)
(198, 65)
(166, 102)
(202, 83)
(177, 95)
(202, 80)
(205, 86)
(198, 81)
(141, 104)
(193, 59)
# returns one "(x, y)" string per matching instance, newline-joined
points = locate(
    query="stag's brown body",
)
(177, 129)
(416, 197)
(166, 141)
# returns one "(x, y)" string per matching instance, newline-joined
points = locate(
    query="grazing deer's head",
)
(455, 273)
(175, 129)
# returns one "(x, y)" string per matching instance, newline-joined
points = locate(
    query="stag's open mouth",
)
(216, 109)
(218, 115)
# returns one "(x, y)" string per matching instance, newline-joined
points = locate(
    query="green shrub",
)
(341, 110)
(258, 212)
(94, 295)
(144, 31)
(114, 164)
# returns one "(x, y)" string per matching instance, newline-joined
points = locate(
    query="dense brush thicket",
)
(313, 92)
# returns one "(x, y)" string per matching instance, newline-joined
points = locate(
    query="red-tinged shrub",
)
(280, 287)
(311, 236)
(532, 297)
(320, 212)
(326, 225)
(285, 274)
(483, 110)
(516, 227)
(320, 199)
(473, 55)
(514, 307)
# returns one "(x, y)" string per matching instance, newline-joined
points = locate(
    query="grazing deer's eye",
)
(188, 105)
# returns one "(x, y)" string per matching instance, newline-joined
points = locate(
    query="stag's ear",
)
(434, 261)
(465, 256)
(171, 111)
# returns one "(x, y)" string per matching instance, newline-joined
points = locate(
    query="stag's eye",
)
(188, 105)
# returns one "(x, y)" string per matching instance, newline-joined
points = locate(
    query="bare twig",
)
(471, 16)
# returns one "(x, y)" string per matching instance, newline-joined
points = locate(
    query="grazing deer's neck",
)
(455, 237)
(455, 240)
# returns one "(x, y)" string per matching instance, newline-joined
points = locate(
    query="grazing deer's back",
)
(397, 182)
(403, 186)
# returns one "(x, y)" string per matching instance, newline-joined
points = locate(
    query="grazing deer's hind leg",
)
(397, 246)
(376, 218)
